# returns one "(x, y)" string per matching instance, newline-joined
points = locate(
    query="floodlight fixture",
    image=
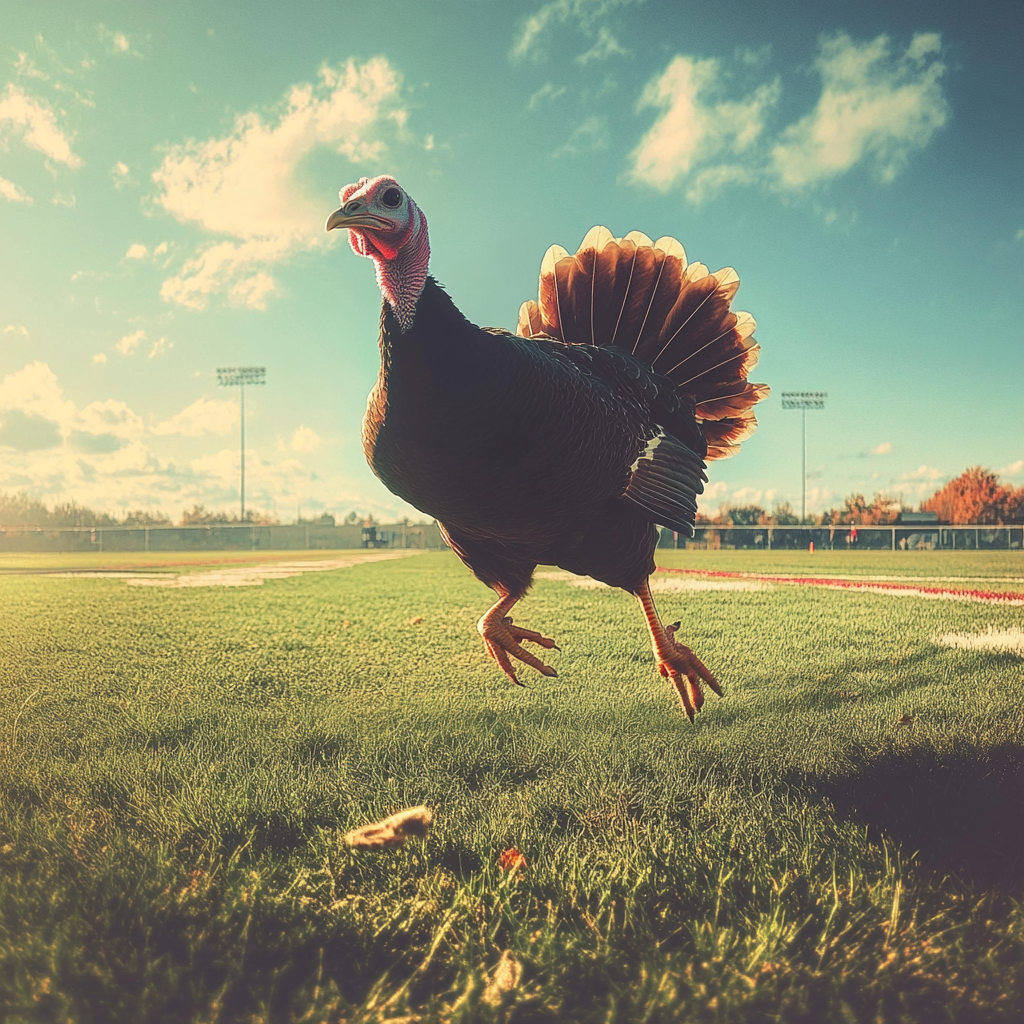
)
(239, 376)
(803, 400)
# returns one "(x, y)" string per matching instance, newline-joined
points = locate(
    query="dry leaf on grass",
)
(505, 978)
(393, 831)
(511, 860)
(415, 620)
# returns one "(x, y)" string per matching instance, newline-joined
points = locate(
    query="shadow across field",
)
(959, 811)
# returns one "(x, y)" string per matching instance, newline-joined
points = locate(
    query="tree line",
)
(21, 510)
(976, 497)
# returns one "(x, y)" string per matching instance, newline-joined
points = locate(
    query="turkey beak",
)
(355, 215)
(338, 219)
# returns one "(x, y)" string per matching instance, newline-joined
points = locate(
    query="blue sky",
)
(166, 170)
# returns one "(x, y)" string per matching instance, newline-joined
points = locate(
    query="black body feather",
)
(531, 451)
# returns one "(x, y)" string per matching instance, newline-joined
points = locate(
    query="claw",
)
(686, 670)
(502, 639)
(676, 661)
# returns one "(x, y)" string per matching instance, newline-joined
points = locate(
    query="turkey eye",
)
(391, 198)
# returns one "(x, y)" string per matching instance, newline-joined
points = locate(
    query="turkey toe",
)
(501, 639)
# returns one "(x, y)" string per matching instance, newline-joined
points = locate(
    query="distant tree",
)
(976, 496)
(70, 513)
(745, 515)
(351, 519)
(257, 518)
(21, 510)
(140, 517)
(783, 515)
(1015, 506)
(199, 516)
(858, 511)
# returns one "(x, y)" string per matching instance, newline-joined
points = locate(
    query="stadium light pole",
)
(239, 376)
(803, 400)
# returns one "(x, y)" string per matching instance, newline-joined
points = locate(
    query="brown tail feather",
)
(643, 297)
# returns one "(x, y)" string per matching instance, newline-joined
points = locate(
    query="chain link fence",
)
(850, 538)
(240, 537)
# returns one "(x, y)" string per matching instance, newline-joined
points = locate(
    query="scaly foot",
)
(502, 638)
(685, 670)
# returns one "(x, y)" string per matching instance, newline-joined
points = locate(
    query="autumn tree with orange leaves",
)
(977, 496)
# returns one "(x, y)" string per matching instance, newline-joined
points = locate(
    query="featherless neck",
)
(401, 279)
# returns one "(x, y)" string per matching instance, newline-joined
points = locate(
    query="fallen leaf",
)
(507, 975)
(393, 831)
(511, 860)
(906, 720)
(415, 620)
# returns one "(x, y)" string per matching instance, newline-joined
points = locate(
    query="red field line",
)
(902, 589)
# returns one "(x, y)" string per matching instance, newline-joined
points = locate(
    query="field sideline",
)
(839, 838)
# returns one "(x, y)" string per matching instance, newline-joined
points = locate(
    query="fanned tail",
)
(643, 297)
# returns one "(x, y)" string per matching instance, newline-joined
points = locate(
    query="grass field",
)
(840, 839)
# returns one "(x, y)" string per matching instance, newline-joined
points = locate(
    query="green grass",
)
(178, 768)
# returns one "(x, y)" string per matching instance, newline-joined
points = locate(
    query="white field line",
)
(890, 579)
(254, 575)
(1009, 640)
(88, 574)
(926, 595)
(659, 584)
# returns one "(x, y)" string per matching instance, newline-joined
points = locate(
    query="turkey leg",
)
(675, 661)
(502, 638)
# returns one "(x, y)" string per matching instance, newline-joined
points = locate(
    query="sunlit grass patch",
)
(837, 839)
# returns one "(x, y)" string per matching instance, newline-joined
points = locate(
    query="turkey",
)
(565, 444)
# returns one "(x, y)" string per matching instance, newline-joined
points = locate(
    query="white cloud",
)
(16, 329)
(695, 129)
(713, 492)
(1019, 237)
(160, 249)
(160, 346)
(872, 108)
(99, 358)
(25, 67)
(590, 137)
(203, 416)
(117, 42)
(929, 473)
(305, 439)
(102, 456)
(243, 185)
(130, 342)
(231, 268)
(36, 122)
(122, 175)
(34, 390)
(136, 251)
(875, 109)
(754, 58)
(604, 47)
(110, 416)
(66, 199)
(13, 194)
(882, 449)
(747, 496)
(585, 14)
(546, 92)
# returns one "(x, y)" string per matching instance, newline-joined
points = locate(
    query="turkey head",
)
(385, 225)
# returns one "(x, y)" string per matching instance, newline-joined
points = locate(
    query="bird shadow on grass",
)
(957, 809)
